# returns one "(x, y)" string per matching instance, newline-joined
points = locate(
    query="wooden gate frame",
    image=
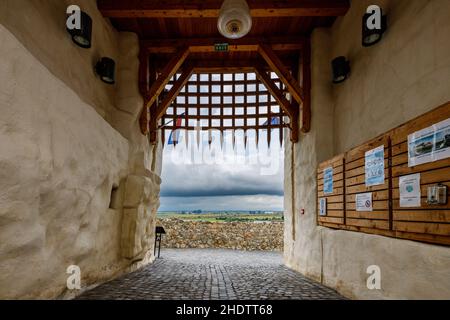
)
(154, 109)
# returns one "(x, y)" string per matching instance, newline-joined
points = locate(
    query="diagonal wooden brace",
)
(158, 111)
(283, 73)
(158, 86)
(275, 91)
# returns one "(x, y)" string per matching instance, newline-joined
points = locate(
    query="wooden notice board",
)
(335, 215)
(426, 222)
(429, 223)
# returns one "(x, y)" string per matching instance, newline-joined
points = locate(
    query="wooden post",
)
(306, 85)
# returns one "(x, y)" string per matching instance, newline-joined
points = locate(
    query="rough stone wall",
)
(233, 235)
(405, 75)
(78, 184)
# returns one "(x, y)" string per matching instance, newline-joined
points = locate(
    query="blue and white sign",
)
(375, 167)
(328, 180)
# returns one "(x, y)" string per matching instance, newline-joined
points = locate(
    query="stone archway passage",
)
(212, 274)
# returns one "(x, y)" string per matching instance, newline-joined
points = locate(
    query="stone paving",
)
(210, 274)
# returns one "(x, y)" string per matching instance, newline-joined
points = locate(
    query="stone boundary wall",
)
(251, 236)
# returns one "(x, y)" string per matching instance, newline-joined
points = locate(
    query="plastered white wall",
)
(66, 139)
(404, 76)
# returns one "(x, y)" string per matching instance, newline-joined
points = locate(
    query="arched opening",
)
(223, 163)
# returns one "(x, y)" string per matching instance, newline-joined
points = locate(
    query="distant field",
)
(224, 217)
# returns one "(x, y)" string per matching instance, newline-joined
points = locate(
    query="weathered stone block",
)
(133, 231)
(141, 190)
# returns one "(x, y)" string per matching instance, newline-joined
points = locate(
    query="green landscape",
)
(225, 216)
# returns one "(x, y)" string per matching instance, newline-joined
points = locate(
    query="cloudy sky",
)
(198, 176)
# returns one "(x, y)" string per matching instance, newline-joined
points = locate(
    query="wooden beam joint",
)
(158, 86)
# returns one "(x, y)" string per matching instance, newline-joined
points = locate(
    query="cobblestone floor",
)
(204, 274)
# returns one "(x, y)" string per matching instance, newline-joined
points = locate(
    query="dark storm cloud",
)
(216, 180)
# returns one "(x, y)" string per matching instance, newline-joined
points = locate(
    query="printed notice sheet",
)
(328, 180)
(374, 167)
(430, 144)
(323, 206)
(364, 202)
(410, 191)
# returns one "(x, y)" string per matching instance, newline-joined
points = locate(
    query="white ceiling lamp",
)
(235, 20)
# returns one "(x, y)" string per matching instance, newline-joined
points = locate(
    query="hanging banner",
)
(429, 144)
(328, 180)
(410, 194)
(374, 167)
(364, 202)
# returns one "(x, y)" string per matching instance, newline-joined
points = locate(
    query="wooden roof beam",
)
(197, 45)
(223, 66)
(283, 73)
(211, 8)
(229, 65)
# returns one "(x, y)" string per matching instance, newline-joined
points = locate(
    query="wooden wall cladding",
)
(355, 183)
(335, 201)
(427, 223)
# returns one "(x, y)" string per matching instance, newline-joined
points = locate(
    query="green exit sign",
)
(221, 47)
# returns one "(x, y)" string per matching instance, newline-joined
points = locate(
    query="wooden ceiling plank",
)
(211, 8)
(274, 91)
(283, 73)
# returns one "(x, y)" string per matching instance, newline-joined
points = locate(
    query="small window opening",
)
(114, 200)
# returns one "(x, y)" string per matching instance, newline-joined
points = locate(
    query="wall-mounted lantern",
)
(374, 25)
(105, 68)
(341, 69)
(81, 29)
